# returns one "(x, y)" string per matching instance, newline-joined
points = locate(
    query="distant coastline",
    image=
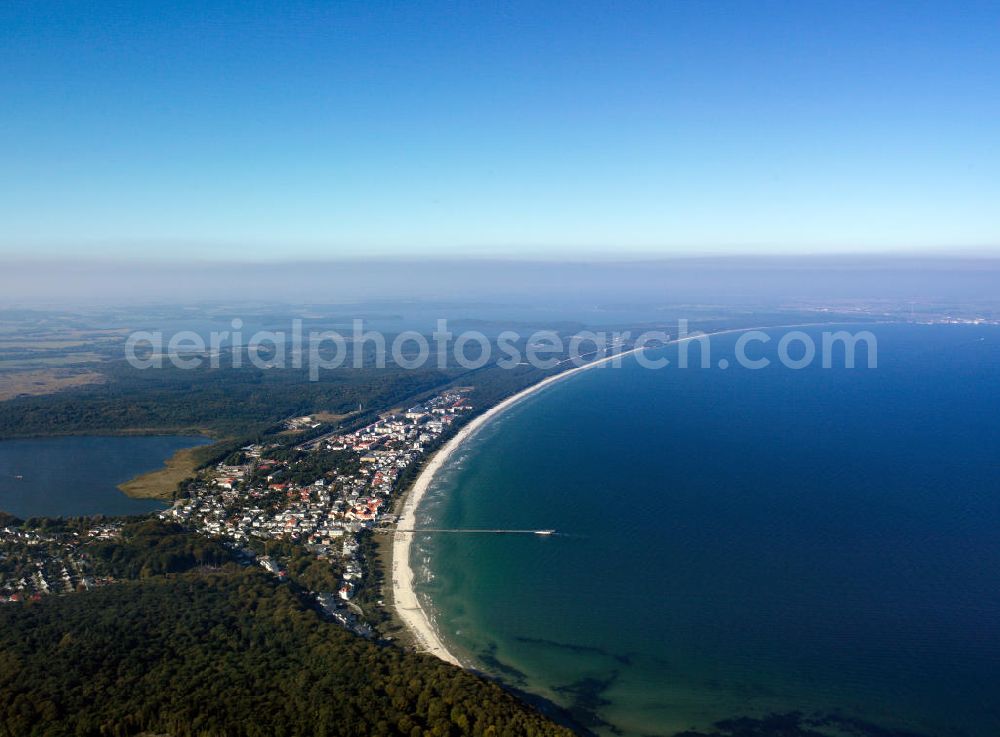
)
(405, 602)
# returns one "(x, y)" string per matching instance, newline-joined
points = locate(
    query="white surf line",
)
(404, 597)
(405, 601)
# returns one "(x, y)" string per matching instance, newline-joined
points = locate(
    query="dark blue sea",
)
(739, 543)
(74, 476)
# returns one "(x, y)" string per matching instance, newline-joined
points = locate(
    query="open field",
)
(330, 416)
(44, 381)
(161, 484)
(55, 360)
(40, 345)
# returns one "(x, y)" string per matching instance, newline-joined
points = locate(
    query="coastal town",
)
(321, 495)
(297, 508)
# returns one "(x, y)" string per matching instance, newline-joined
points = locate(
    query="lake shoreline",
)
(81, 475)
(161, 483)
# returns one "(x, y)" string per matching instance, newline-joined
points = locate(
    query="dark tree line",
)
(222, 653)
(226, 401)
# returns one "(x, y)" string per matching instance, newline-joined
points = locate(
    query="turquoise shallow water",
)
(739, 543)
(71, 476)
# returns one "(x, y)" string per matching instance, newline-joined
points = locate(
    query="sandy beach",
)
(405, 600)
(407, 606)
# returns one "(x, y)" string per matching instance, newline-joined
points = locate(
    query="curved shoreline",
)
(404, 597)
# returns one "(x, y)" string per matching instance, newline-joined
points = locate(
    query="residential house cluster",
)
(34, 563)
(258, 500)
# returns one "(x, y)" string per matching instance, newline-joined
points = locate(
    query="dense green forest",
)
(224, 401)
(149, 547)
(199, 647)
(240, 402)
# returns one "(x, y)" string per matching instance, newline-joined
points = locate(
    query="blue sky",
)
(258, 130)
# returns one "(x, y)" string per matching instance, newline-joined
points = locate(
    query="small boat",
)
(19, 477)
(544, 532)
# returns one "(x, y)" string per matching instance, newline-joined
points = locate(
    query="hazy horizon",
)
(665, 279)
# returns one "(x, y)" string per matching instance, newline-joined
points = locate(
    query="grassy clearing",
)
(162, 484)
(330, 416)
(44, 381)
(68, 359)
(40, 345)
